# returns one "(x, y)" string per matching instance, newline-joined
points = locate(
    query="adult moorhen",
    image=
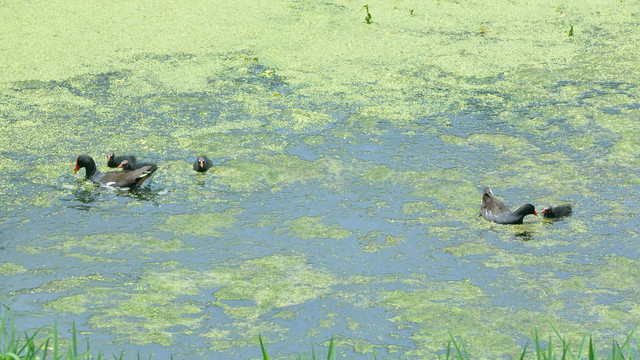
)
(127, 166)
(494, 210)
(114, 161)
(122, 179)
(202, 164)
(550, 212)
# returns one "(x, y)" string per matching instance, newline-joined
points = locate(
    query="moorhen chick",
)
(114, 161)
(494, 210)
(202, 164)
(550, 212)
(122, 179)
(128, 166)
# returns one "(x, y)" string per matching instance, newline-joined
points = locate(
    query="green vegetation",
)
(402, 124)
(14, 346)
(42, 345)
(367, 18)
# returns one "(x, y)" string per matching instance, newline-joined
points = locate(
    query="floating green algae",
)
(76, 282)
(360, 346)
(314, 140)
(217, 142)
(449, 187)
(378, 173)
(11, 269)
(109, 244)
(309, 227)
(201, 224)
(244, 89)
(273, 171)
(141, 311)
(609, 275)
(299, 119)
(77, 303)
(376, 241)
(275, 281)
(464, 310)
(243, 334)
(502, 258)
(145, 309)
(145, 318)
(421, 207)
(467, 248)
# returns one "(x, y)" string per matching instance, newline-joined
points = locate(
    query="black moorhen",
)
(550, 212)
(122, 179)
(114, 161)
(494, 210)
(127, 166)
(202, 164)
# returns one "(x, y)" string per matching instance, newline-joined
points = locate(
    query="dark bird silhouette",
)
(556, 212)
(202, 164)
(122, 179)
(494, 210)
(128, 166)
(114, 161)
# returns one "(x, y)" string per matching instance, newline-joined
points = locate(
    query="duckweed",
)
(308, 227)
(401, 123)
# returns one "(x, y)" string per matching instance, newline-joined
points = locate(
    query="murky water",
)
(349, 166)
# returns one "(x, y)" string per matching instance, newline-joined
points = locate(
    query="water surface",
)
(349, 165)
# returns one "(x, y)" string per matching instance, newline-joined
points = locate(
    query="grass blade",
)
(459, 351)
(74, 339)
(524, 351)
(584, 338)
(55, 341)
(331, 355)
(265, 355)
(536, 340)
(45, 348)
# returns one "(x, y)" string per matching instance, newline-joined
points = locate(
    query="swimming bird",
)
(114, 161)
(128, 166)
(494, 210)
(202, 164)
(123, 179)
(550, 212)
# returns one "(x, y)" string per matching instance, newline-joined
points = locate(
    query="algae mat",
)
(349, 159)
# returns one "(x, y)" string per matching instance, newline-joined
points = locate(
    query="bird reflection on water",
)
(525, 235)
(81, 198)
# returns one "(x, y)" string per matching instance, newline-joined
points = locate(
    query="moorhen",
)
(128, 166)
(114, 161)
(202, 164)
(122, 179)
(556, 212)
(494, 210)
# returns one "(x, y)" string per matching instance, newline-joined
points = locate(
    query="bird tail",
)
(146, 175)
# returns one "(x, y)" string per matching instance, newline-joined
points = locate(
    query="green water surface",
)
(349, 161)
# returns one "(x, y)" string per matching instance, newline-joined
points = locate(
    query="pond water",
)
(349, 161)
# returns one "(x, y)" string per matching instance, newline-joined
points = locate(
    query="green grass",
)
(18, 346)
(42, 345)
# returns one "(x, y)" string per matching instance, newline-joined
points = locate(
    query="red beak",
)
(77, 167)
(202, 163)
(535, 213)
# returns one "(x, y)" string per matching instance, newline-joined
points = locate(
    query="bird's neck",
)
(90, 170)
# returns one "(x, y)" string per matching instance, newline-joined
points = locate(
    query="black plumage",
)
(494, 210)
